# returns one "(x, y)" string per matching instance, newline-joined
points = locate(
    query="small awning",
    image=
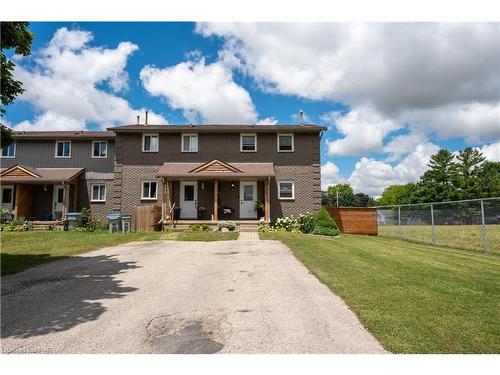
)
(215, 169)
(20, 174)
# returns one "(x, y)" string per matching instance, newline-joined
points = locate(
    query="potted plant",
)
(259, 208)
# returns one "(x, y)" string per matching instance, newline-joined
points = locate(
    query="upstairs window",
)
(9, 151)
(100, 149)
(286, 190)
(150, 143)
(98, 193)
(190, 143)
(148, 190)
(63, 149)
(285, 143)
(248, 142)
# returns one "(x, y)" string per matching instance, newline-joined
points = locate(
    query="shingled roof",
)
(211, 128)
(23, 174)
(63, 134)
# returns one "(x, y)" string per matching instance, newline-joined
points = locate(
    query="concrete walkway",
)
(248, 236)
(178, 297)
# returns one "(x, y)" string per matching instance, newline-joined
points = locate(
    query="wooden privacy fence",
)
(355, 220)
(147, 218)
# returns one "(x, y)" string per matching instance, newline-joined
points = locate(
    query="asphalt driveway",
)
(178, 297)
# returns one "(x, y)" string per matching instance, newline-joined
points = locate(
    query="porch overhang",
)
(216, 169)
(20, 174)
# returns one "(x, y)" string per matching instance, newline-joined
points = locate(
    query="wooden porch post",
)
(216, 199)
(267, 200)
(165, 206)
(64, 201)
(75, 197)
(16, 201)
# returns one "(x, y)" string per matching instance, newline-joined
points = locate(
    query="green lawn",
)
(459, 236)
(412, 297)
(22, 250)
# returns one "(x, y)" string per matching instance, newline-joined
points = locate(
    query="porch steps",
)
(44, 225)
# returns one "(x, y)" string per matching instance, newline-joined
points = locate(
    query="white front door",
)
(57, 201)
(189, 200)
(7, 196)
(248, 197)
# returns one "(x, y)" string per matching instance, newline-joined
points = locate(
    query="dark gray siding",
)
(40, 154)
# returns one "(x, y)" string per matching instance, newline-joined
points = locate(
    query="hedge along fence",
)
(355, 220)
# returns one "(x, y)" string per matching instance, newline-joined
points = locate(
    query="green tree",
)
(17, 36)
(346, 195)
(398, 194)
(467, 171)
(361, 200)
(436, 184)
(489, 179)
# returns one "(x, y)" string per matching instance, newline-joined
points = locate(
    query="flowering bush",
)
(305, 222)
(230, 225)
(16, 225)
(265, 228)
(285, 224)
(199, 228)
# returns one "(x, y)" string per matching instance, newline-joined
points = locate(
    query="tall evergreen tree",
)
(467, 171)
(436, 184)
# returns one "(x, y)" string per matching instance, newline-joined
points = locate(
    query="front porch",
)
(41, 194)
(214, 191)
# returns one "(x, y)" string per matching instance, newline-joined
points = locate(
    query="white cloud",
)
(202, 91)
(51, 121)
(330, 175)
(267, 121)
(364, 130)
(443, 76)
(372, 176)
(403, 144)
(63, 84)
(491, 152)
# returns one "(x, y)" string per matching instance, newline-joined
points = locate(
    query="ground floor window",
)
(98, 193)
(148, 190)
(286, 190)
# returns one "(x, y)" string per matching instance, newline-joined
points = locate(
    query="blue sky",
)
(390, 94)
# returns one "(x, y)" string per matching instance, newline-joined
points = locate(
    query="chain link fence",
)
(469, 224)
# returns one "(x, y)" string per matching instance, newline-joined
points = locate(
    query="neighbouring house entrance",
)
(189, 200)
(248, 197)
(57, 205)
(8, 197)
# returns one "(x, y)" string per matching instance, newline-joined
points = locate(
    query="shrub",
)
(199, 228)
(16, 225)
(230, 225)
(88, 223)
(323, 231)
(323, 219)
(265, 228)
(296, 230)
(305, 222)
(285, 224)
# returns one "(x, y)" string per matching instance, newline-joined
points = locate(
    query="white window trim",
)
(246, 135)
(142, 191)
(144, 143)
(293, 191)
(182, 141)
(63, 157)
(278, 142)
(92, 151)
(92, 200)
(10, 157)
